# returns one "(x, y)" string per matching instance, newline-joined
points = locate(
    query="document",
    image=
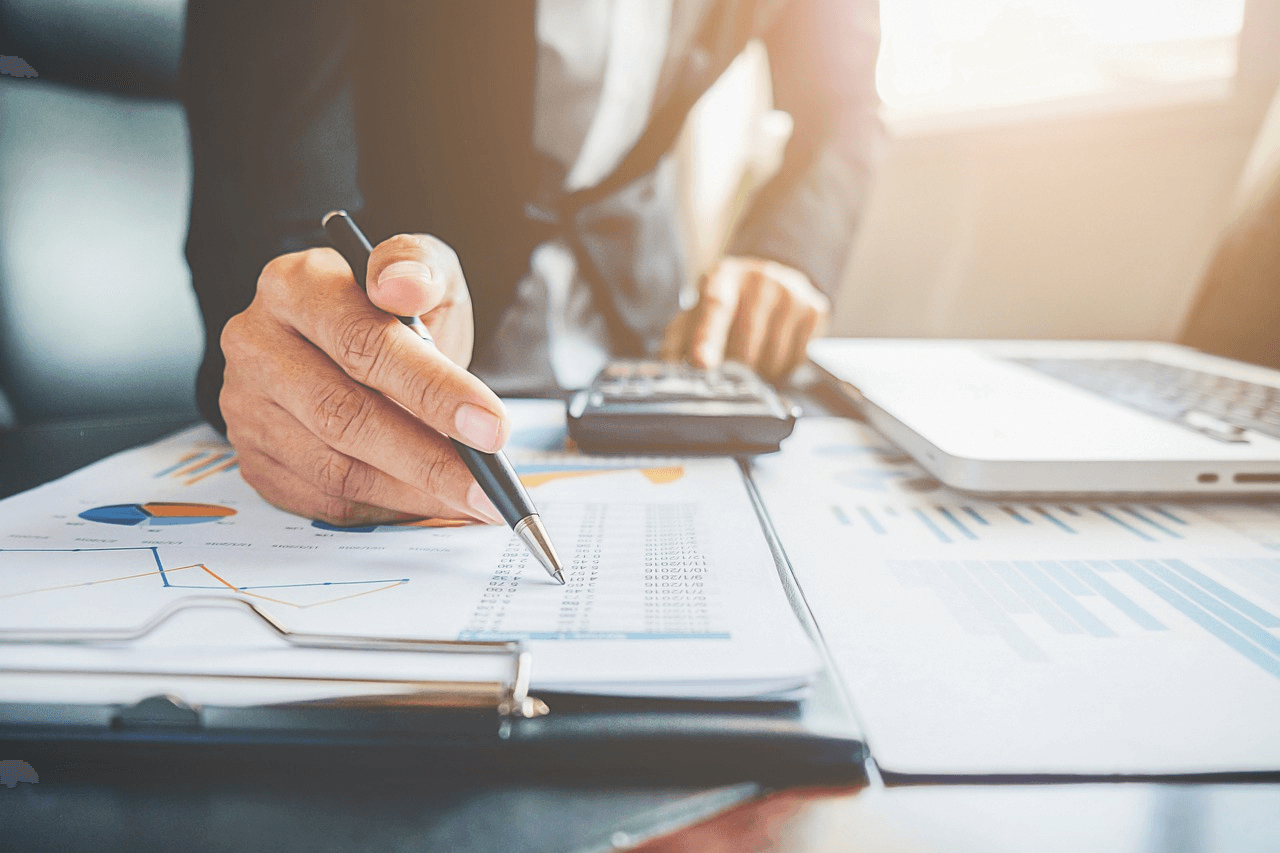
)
(671, 589)
(1005, 637)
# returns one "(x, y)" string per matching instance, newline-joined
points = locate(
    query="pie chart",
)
(156, 514)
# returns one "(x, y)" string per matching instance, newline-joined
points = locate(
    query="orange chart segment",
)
(537, 475)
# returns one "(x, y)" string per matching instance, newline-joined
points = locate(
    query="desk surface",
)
(1098, 818)
(237, 808)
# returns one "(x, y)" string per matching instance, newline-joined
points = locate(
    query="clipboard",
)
(457, 727)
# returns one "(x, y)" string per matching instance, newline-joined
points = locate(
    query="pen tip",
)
(535, 537)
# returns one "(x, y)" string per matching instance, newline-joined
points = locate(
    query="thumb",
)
(405, 276)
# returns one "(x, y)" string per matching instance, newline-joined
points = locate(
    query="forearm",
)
(270, 113)
(822, 56)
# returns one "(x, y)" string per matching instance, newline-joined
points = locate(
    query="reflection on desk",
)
(1098, 818)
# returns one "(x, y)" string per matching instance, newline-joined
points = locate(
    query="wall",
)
(1093, 225)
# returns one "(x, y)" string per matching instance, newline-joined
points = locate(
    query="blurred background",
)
(1055, 168)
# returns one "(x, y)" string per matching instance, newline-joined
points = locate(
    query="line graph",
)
(301, 596)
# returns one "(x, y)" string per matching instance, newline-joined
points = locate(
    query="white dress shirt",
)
(597, 74)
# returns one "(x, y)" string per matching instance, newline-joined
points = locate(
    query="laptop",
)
(1067, 417)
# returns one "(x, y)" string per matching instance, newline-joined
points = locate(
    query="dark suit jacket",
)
(418, 114)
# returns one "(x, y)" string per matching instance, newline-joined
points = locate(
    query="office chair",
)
(97, 316)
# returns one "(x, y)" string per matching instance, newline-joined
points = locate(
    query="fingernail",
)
(708, 356)
(405, 269)
(481, 505)
(478, 427)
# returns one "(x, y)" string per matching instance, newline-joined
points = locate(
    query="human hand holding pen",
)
(335, 408)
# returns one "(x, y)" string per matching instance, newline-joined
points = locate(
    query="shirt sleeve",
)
(270, 109)
(822, 55)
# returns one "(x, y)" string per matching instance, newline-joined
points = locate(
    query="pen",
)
(492, 471)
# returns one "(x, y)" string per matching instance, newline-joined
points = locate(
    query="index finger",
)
(316, 294)
(713, 319)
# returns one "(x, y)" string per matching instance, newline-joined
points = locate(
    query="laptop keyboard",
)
(1217, 406)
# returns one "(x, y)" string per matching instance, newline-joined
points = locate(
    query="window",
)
(941, 57)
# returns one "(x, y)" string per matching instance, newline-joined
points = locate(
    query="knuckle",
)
(286, 280)
(275, 278)
(244, 341)
(234, 337)
(361, 343)
(433, 474)
(273, 275)
(337, 476)
(341, 413)
(255, 472)
(437, 252)
(768, 298)
(447, 258)
(252, 473)
(428, 390)
(337, 511)
(716, 300)
(314, 263)
(232, 412)
(402, 245)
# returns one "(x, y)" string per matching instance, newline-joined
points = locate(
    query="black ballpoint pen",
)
(492, 471)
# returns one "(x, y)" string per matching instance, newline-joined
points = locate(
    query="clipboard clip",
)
(509, 697)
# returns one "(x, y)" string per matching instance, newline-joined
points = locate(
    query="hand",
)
(757, 312)
(336, 409)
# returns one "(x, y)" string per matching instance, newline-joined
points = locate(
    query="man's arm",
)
(771, 293)
(823, 59)
(270, 109)
(336, 410)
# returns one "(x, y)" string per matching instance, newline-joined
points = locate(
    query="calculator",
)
(648, 405)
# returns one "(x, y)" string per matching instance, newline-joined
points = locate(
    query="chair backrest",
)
(96, 310)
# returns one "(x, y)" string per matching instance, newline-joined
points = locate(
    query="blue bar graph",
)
(1204, 619)
(1124, 525)
(1083, 600)
(1151, 522)
(1263, 617)
(956, 523)
(1013, 513)
(871, 520)
(1122, 602)
(931, 525)
(1062, 525)
(1159, 510)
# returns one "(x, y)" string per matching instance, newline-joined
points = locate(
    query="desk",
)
(342, 808)
(1098, 818)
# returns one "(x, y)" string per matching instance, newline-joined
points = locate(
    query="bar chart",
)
(972, 521)
(1100, 599)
